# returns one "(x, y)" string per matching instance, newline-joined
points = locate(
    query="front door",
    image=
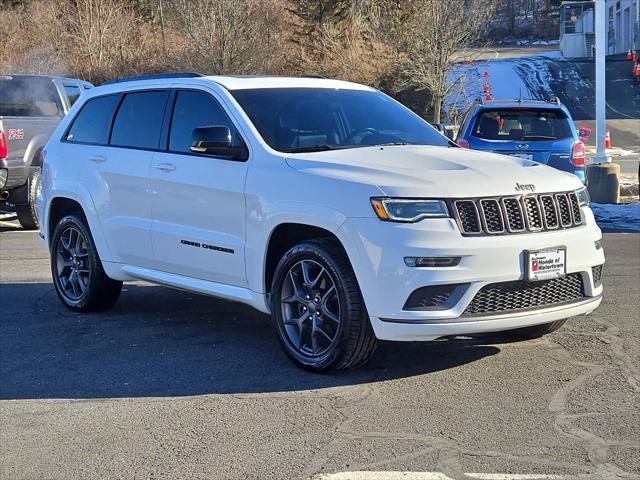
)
(198, 204)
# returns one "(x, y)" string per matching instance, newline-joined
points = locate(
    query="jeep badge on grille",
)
(526, 187)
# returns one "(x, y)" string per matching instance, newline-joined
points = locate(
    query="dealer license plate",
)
(546, 264)
(526, 156)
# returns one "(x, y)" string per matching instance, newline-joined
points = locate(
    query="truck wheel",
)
(319, 313)
(536, 331)
(78, 276)
(27, 214)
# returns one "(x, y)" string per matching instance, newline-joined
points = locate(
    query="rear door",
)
(116, 162)
(198, 200)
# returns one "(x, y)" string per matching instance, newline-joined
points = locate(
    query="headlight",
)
(408, 210)
(583, 197)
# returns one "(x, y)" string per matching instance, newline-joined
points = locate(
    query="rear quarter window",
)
(93, 123)
(73, 93)
(522, 124)
(29, 97)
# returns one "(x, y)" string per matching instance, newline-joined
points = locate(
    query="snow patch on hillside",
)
(529, 78)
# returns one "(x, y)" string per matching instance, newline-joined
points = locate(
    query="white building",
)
(577, 27)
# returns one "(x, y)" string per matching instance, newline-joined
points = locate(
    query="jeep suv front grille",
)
(508, 297)
(517, 214)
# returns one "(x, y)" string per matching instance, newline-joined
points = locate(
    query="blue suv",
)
(536, 130)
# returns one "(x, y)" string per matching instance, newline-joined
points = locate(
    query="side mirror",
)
(216, 140)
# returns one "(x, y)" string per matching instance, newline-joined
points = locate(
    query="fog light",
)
(431, 261)
(4, 173)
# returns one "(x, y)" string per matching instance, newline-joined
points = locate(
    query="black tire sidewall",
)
(315, 252)
(28, 214)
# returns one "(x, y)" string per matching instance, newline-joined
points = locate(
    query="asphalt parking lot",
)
(172, 385)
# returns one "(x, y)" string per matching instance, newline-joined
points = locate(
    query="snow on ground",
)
(617, 218)
(612, 152)
(530, 78)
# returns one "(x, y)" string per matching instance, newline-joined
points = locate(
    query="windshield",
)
(315, 119)
(522, 124)
(29, 97)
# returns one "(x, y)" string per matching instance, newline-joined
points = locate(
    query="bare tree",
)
(101, 36)
(432, 32)
(350, 48)
(232, 36)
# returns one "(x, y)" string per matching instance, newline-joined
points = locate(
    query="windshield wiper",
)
(314, 148)
(389, 144)
(538, 137)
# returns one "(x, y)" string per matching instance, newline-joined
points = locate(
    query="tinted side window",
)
(139, 120)
(93, 123)
(192, 110)
(73, 92)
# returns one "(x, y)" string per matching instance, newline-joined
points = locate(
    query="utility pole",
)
(637, 27)
(601, 45)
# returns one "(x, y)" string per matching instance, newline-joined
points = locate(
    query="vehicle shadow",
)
(162, 342)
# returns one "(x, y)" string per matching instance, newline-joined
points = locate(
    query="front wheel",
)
(78, 276)
(319, 313)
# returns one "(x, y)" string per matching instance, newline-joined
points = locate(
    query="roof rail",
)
(554, 99)
(155, 76)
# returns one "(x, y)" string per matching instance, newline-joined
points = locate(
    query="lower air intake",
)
(519, 295)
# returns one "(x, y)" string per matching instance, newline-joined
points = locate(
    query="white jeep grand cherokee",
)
(325, 203)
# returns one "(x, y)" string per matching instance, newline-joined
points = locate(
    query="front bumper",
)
(377, 251)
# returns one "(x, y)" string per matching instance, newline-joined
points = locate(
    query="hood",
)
(428, 171)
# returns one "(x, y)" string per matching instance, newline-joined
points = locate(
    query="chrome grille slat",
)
(513, 214)
(491, 215)
(468, 217)
(575, 208)
(549, 212)
(533, 216)
(517, 213)
(564, 210)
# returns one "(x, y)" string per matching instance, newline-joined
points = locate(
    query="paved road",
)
(173, 385)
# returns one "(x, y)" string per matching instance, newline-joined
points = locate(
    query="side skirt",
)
(122, 272)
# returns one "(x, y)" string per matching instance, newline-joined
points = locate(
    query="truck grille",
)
(517, 214)
(513, 296)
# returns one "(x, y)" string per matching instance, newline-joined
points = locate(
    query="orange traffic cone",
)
(636, 70)
(629, 56)
(607, 139)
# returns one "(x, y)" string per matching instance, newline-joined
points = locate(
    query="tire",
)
(27, 214)
(73, 251)
(306, 324)
(536, 331)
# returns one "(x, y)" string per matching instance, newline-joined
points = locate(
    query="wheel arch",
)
(60, 207)
(80, 204)
(284, 236)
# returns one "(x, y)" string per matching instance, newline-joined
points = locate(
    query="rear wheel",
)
(27, 214)
(320, 316)
(78, 276)
(536, 331)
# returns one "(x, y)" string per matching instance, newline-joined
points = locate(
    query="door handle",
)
(98, 159)
(165, 167)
